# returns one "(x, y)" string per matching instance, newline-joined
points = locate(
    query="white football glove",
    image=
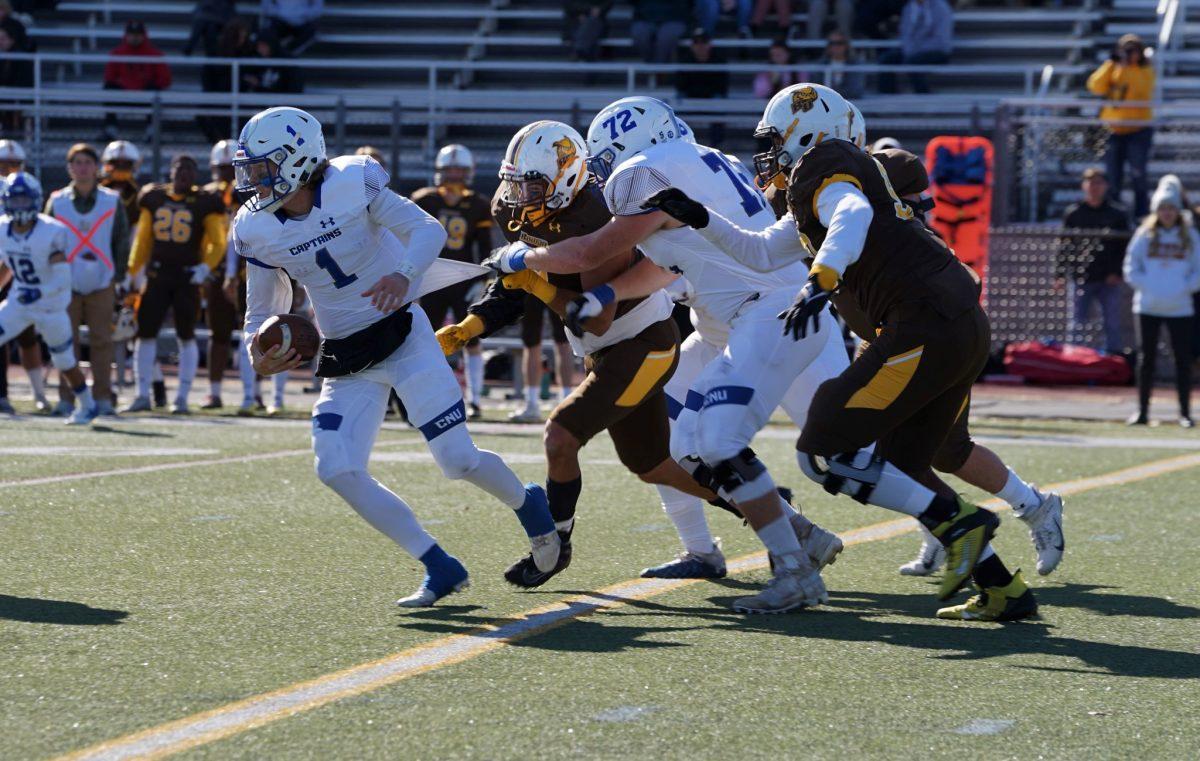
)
(199, 274)
(508, 259)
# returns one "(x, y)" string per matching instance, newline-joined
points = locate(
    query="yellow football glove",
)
(531, 282)
(453, 338)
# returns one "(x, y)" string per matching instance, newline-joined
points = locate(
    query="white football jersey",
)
(28, 256)
(336, 252)
(720, 285)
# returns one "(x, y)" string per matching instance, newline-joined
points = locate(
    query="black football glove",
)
(808, 305)
(676, 203)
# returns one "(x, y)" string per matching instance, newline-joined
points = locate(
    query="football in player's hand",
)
(289, 331)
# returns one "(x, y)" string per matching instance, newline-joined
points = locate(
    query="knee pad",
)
(721, 436)
(854, 474)
(331, 457)
(63, 355)
(743, 476)
(455, 453)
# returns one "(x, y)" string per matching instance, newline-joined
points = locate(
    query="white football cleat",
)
(180, 407)
(1045, 529)
(425, 597)
(527, 415)
(928, 560)
(139, 404)
(821, 545)
(795, 584)
(82, 415)
(545, 549)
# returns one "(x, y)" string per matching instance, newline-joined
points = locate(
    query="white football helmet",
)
(22, 198)
(544, 168)
(12, 157)
(858, 127)
(278, 152)
(120, 150)
(685, 130)
(450, 157)
(796, 119)
(627, 127)
(883, 143)
(222, 153)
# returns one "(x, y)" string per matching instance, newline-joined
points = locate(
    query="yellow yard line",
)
(258, 710)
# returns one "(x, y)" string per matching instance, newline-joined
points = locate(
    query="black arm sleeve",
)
(499, 307)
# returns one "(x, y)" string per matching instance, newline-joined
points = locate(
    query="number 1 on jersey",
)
(326, 262)
(752, 202)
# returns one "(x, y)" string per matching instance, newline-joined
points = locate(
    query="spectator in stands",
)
(704, 84)
(876, 19)
(584, 25)
(125, 75)
(292, 22)
(15, 28)
(767, 83)
(1163, 266)
(1092, 263)
(657, 27)
(13, 73)
(783, 16)
(816, 12)
(709, 12)
(233, 42)
(208, 21)
(926, 37)
(99, 238)
(269, 77)
(838, 55)
(1127, 77)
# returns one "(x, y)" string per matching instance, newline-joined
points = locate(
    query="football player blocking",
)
(360, 252)
(906, 390)
(35, 257)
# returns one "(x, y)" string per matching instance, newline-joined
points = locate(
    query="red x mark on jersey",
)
(85, 241)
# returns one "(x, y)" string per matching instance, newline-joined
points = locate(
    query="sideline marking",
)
(258, 710)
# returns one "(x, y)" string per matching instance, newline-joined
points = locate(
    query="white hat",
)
(1167, 193)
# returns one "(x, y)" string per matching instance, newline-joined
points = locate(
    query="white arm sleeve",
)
(422, 235)
(268, 292)
(231, 257)
(777, 246)
(846, 214)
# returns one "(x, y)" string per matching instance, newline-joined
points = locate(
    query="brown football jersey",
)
(129, 196)
(178, 223)
(468, 223)
(901, 260)
(229, 198)
(587, 213)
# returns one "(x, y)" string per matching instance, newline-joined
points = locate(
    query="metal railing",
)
(438, 103)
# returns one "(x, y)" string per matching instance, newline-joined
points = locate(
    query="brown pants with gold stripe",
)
(623, 394)
(905, 392)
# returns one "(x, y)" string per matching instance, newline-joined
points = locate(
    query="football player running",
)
(360, 252)
(35, 251)
(907, 389)
(637, 150)
(547, 195)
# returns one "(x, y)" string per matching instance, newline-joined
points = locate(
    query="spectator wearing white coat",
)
(1162, 264)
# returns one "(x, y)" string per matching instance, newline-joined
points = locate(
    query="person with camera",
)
(1126, 81)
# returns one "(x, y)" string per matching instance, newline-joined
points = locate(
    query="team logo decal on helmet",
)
(804, 99)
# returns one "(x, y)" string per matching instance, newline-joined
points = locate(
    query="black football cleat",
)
(525, 574)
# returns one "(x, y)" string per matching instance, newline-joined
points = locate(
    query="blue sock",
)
(534, 512)
(442, 572)
(81, 389)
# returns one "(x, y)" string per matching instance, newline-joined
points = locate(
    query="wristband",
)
(473, 326)
(516, 262)
(604, 294)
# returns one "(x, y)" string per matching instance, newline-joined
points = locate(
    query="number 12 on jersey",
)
(326, 262)
(752, 202)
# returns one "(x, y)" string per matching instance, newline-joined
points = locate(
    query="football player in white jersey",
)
(637, 148)
(360, 252)
(35, 251)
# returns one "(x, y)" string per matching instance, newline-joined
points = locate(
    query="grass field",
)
(214, 568)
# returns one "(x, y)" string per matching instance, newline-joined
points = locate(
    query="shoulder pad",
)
(629, 187)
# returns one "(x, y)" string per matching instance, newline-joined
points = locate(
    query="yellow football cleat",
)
(1009, 603)
(965, 536)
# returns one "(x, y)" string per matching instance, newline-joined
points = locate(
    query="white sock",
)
(83, 397)
(189, 360)
(531, 397)
(37, 379)
(791, 512)
(214, 389)
(143, 365)
(927, 536)
(565, 391)
(474, 377)
(1019, 494)
(249, 380)
(279, 380)
(385, 511)
(495, 478)
(779, 537)
(687, 513)
(158, 376)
